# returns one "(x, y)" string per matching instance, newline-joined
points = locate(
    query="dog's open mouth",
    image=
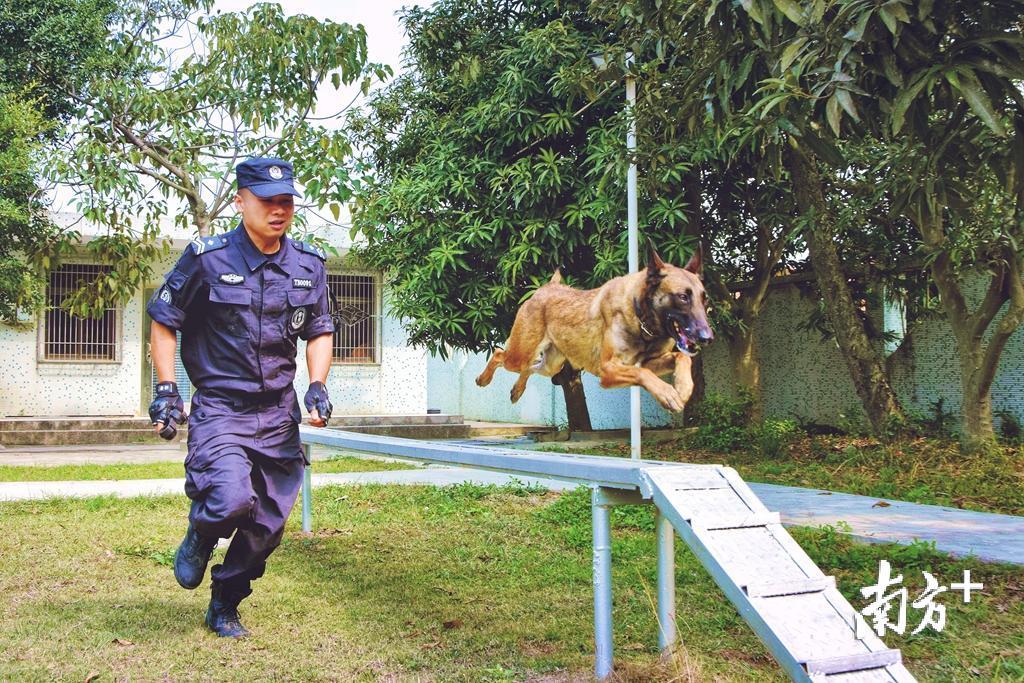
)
(683, 342)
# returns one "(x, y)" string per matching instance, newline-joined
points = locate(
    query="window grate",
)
(68, 337)
(354, 309)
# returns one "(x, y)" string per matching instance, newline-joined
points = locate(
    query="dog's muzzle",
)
(688, 334)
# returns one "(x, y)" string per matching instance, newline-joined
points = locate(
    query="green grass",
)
(930, 471)
(463, 583)
(170, 470)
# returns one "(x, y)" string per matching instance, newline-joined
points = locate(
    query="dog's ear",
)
(696, 263)
(654, 262)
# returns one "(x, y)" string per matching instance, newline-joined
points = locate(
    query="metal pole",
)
(307, 489)
(633, 239)
(602, 586)
(666, 581)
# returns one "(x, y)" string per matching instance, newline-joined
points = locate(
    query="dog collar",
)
(640, 318)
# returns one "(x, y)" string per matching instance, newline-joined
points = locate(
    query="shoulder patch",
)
(203, 245)
(311, 249)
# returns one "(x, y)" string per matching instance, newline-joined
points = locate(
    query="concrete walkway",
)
(990, 537)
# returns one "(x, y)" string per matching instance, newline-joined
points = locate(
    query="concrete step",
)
(64, 431)
(411, 431)
(23, 424)
(345, 421)
(485, 429)
(67, 437)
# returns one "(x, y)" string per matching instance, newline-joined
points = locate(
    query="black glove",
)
(316, 397)
(167, 408)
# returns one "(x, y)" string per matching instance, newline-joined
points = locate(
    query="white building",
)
(59, 365)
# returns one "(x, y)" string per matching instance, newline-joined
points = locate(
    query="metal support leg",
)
(307, 489)
(602, 586)
(666, 581)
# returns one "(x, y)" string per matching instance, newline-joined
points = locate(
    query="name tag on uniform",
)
(299, 282)
(231, 278)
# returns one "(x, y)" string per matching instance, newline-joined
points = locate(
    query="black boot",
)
(192, 557)
(222, 614)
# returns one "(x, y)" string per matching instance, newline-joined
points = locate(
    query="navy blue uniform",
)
(240, 313)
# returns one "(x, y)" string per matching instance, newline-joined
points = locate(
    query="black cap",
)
(266, 177)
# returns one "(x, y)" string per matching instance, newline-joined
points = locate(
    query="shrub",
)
(1009, 427)
(722, 422)
(771, 438)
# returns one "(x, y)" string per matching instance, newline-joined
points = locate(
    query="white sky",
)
(385, 42)
(385, 38)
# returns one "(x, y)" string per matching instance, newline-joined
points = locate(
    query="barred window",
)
(354, 309)
(67, 337)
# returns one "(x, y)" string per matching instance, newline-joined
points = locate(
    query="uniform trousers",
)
(242, 473)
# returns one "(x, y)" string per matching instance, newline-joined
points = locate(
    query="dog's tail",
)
(556, 277)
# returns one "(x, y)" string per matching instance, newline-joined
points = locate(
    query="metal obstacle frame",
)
(614, 481)
(618, 481)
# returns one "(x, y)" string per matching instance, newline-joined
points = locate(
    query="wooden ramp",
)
(796, 610)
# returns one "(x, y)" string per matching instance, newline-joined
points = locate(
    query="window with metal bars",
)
(354, 307)
(67, 337)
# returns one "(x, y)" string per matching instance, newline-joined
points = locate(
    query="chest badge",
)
(298, 318)
(231, 278)
(303, 283)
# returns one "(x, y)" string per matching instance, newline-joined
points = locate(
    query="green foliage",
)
(25, 228)
(179, 96)
(939, 422)
(722, 422)
(1009, 427)
(772, 437)
(496, 158)
(50, 48)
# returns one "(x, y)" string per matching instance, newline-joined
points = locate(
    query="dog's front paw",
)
(669, 398)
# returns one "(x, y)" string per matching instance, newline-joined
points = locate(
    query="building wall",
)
(802, 375)
(805, 376)
(30, 387)
(931, 368)
(451, 387)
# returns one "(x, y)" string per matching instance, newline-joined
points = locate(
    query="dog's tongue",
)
(684, 342)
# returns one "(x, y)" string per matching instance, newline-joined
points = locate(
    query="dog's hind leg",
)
(488, 374)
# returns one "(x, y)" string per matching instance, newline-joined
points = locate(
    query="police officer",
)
(241, 300)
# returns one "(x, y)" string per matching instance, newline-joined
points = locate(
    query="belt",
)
(250, 399)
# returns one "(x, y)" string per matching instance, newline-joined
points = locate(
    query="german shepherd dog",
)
(628, 331)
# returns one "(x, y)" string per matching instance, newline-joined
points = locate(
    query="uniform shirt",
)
(240, 311)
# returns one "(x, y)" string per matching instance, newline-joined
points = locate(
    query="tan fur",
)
(598, 331)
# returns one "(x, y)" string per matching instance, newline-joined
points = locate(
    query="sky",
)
(385, 38)
(385, 41)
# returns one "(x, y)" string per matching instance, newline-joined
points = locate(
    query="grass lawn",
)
(464, 583)
(170, 470)
(920, 470)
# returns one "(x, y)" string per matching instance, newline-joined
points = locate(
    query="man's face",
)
(266, 218)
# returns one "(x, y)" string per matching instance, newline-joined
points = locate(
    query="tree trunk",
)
(979, 359)
(699, 391)
(866, 367)
(746, 370)
(575, 399)
(978, 433)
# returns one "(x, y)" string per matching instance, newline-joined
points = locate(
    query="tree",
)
(718, 58)
(181, 97)
(24, 224)
(490, 165)
(47, 49)
(941, 83)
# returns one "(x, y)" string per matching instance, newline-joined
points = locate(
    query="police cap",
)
(266, 177)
